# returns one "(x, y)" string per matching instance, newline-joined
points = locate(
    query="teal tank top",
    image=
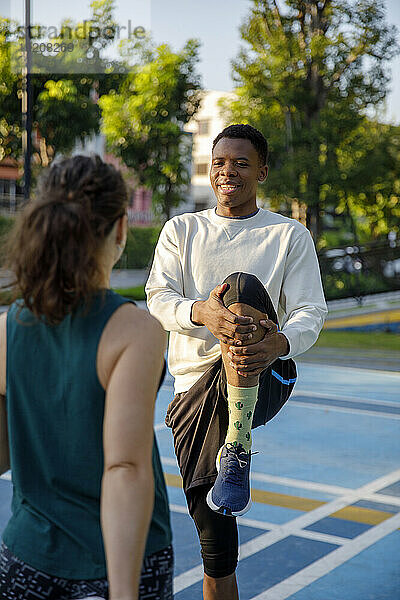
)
(55, 408)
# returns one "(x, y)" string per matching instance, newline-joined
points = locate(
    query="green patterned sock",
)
(241, 405)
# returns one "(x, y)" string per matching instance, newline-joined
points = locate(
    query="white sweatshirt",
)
(197, 251)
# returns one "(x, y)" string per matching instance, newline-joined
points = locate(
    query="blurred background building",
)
(11, 195)
(205, 127)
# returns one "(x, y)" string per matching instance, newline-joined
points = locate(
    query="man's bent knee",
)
(247, 289)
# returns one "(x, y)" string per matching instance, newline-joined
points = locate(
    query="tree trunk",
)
(314, 221)
(167, 206)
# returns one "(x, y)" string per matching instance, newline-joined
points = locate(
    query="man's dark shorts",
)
(199, 421)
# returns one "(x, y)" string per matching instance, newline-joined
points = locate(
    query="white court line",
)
(256, 523)
(329, 396)
(6, 476)
(376, 372)
(166, 460)
(331, 561)
(167, 386)
(343, 409)
(160, 427)
(335, 490)
(311, 535)
(178, 508)
(323, 537)
(383, 498)
(293, 527)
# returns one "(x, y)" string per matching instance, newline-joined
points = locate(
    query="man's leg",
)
(230, 494)
(221, 588)
(241, 391)
(232, 376)
(219, 547)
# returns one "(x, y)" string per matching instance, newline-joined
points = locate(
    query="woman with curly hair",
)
(80, 367)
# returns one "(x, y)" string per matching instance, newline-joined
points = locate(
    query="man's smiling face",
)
(235, 172)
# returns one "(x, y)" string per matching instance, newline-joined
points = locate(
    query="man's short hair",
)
(246, 132)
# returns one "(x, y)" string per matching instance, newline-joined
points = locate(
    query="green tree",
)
(369, 163)
(10, 104)
(64, 108)
(308, 74)
(143, 122)
(56, 104)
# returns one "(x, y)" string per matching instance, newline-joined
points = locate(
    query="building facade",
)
(11, 194)
(205, 127)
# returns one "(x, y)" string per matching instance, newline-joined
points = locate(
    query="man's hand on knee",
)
(252, 359)
(221, 322)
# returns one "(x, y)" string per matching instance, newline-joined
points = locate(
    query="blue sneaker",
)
(230, 494)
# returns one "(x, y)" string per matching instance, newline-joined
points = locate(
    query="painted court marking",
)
(311, 535)
(325, 565)
(295, 526)
(160, 427)
(328, 396)
(360, 370)
(287, 481)
(175, 480)
(375, 407)
(343, 409)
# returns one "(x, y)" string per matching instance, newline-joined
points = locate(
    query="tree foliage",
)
(143, 122)
(309, 73)
(146, 95)
(64, 107)
(369, 164)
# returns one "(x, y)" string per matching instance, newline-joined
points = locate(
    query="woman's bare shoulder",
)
(129, 326)
(129, 319)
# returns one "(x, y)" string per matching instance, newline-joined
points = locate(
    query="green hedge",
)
(346, 285)
(133, 293)
(5, 225)
(139, 249)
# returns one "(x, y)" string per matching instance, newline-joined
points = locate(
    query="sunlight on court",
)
(326, 491)
(325, 520)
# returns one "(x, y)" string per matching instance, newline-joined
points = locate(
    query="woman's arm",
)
(127, 495)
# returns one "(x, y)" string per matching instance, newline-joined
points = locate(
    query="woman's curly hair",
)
(53, 249)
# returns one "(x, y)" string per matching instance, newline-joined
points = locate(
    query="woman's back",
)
(80, 368)
(55, 407)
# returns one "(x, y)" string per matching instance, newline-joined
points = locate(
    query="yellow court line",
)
(388, 316)
(173, 480)
(285, 501)
(358, 514)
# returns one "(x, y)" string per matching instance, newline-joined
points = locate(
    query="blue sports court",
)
(325, 522)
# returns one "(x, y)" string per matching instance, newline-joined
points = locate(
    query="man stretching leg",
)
(239, 289)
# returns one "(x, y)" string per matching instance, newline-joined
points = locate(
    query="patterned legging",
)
(19, 581)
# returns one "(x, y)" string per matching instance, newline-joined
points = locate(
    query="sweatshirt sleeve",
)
(302, 298)
(164, 287)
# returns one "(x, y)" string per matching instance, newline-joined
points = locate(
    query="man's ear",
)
(263, 174)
